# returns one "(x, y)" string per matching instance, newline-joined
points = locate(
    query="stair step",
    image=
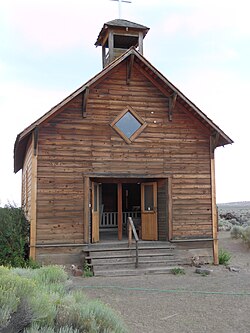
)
(118, 259)
(128, 265)
(127, 255)
(132, 260)
(128, 259)
(132, 247)
(136, 271)
(121, 246)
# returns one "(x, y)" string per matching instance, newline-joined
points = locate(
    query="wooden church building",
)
(126, 143)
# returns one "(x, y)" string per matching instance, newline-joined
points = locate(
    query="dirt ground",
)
(219, 302)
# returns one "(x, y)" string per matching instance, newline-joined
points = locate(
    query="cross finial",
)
(119, 4)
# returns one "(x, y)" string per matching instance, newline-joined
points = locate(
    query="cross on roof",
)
(119, 4)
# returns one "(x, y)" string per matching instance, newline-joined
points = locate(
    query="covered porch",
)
(113, 200)
(109, 224)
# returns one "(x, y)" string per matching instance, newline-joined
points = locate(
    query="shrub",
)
(37, 329)
(237, 232)
(15, 292)
(246, 236)
(4, 270)
(87, 272)
(224, 257)
(224, 225)
(14, 232)
(178, 271)
(51, 274)
(31, 263)
(88, 316)
(241, 232)
(37, 301)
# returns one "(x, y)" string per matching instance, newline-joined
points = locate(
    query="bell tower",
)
(117, 36)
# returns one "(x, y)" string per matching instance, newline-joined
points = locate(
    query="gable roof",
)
(162, 83)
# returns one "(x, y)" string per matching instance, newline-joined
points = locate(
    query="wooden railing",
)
(110, 219)
(131, 228)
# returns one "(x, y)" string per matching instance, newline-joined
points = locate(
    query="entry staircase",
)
(119, 259)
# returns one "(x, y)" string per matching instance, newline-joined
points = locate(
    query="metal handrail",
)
(131, 227)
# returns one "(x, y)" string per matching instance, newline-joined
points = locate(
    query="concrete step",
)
(135, 271)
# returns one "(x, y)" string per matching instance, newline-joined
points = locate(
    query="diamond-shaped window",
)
(128, 124)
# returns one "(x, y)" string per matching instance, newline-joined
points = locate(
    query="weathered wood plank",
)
(71, 146)
(33, 204)
(214, 208)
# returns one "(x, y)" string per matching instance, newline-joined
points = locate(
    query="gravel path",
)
(216, 303)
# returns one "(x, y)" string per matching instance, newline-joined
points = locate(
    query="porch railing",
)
(110, 219)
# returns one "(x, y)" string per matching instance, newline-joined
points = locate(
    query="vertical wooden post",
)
(33, 208)
(119, 200)
(103, 57)
(140, 42)
(170, 209)
(86, 202)
(129, 234)
(111, 46)
(214, 207)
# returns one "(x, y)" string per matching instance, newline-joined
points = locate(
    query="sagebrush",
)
(242, 233)
(39, 301)
(246, 236)
(237, 231)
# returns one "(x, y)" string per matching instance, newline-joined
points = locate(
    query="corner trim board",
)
(33, 213)
(214, 207)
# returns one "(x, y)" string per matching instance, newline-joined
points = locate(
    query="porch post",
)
(86, 189)
(214, 207)
(119, 200)
(170, 210)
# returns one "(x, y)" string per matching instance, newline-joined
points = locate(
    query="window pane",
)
(148, 197)
(128, 124)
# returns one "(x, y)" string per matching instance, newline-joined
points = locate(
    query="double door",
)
(149, 225)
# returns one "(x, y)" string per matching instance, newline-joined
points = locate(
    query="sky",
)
(203, 47)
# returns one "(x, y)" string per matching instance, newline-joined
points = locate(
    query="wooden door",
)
(149, 226)
(95, 212)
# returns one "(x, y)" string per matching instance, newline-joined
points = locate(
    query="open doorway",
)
(114, 202)
(108, 212)
(131, 206)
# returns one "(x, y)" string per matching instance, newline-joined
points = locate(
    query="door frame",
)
(124, 179)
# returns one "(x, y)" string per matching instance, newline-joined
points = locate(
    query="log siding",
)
(71, 147)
